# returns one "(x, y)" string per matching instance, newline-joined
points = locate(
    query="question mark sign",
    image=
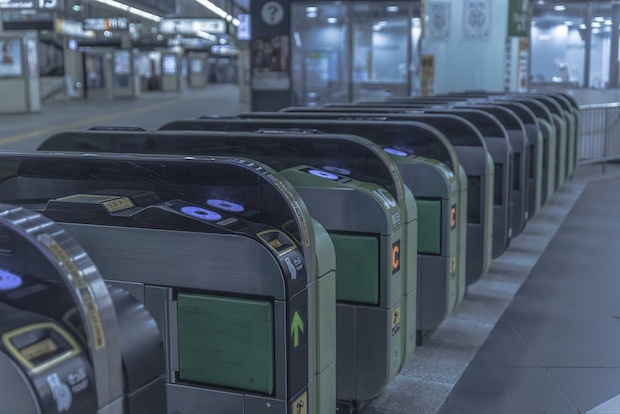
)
(273, 9)
(272, 12)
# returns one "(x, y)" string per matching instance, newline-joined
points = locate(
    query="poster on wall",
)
(428, 75)
(10, 57)
(524, 60)
(169, 64)
(508, 65)
(33, 59)
(476, 19)
(270, 63)
(122, 62)
(439, 20)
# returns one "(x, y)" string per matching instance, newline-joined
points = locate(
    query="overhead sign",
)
(244, 28)
(112, 23)
(519, 18)
(71, 28)
(191, 26)
(31, 4)
(17, 4)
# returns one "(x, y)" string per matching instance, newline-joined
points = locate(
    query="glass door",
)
(320, 60)
(381, 49)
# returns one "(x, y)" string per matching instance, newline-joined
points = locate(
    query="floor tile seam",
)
(561, 389)
(557, 223)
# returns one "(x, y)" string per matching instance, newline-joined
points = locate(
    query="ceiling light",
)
(312, 9)
(76, 8)
(560, 7)
(332, 20)
(312, 15)
(596, 24)
(608, 22)
(376, 27)
(583, 26)
(599, 19)
(132, 10)
(392, 9)
(569, 23)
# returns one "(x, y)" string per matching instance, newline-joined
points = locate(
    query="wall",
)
(471, 64)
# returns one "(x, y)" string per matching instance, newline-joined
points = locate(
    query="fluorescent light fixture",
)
(297, 39)
(608, 22)
(569, 23)
(76, 7)
(596, 24)
(132, 10)
(312, 9)
(376, 27)
(332, 20)
(599, 19)
(560, 7)
(220, 12)
(312, 15)
(206, 35)
(583, 26)
(392, 9)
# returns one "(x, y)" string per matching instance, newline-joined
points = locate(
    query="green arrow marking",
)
(296, 326)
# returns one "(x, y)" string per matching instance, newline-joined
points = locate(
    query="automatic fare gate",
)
(441, 286)
(501, 151)
(441, 269)
(224, 255)
(434, 137)
(334, 175)
(69, 343)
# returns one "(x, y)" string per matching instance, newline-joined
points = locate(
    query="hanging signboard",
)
(190, 26)
(519, 18)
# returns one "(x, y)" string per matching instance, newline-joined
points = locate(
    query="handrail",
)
(599, 133)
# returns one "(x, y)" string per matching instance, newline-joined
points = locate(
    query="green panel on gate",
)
(429, 226)
(357, 268)
(226, 342)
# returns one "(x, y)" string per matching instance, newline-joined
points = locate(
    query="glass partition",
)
(345, 51)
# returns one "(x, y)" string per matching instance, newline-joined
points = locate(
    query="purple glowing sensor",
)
(341, 171)
(9, 280)
(395, 151)
(226, 205)
(201, 213)
(324, 174)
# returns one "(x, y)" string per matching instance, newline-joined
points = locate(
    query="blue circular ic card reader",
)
(201, 213)
(9, 280)
(226, 205)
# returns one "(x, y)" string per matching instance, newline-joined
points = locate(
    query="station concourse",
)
(538, 334)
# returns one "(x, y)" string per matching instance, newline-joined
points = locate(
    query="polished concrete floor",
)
(538, 335)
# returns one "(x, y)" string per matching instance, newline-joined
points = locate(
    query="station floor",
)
(540, 334)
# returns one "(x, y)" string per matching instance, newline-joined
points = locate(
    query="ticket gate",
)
(550, 142)
(460, 138)
(535, 139)
(372, 312)
(222, 252)
(531, 181)
(441, 285)
(501, 151)
(514, 131)
(68, 342)
(570, 116)
(565, 138)
(547, 132)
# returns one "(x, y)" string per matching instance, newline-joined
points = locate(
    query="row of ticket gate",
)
(283, 262)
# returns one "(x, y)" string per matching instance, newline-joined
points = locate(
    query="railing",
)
(599, 133)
